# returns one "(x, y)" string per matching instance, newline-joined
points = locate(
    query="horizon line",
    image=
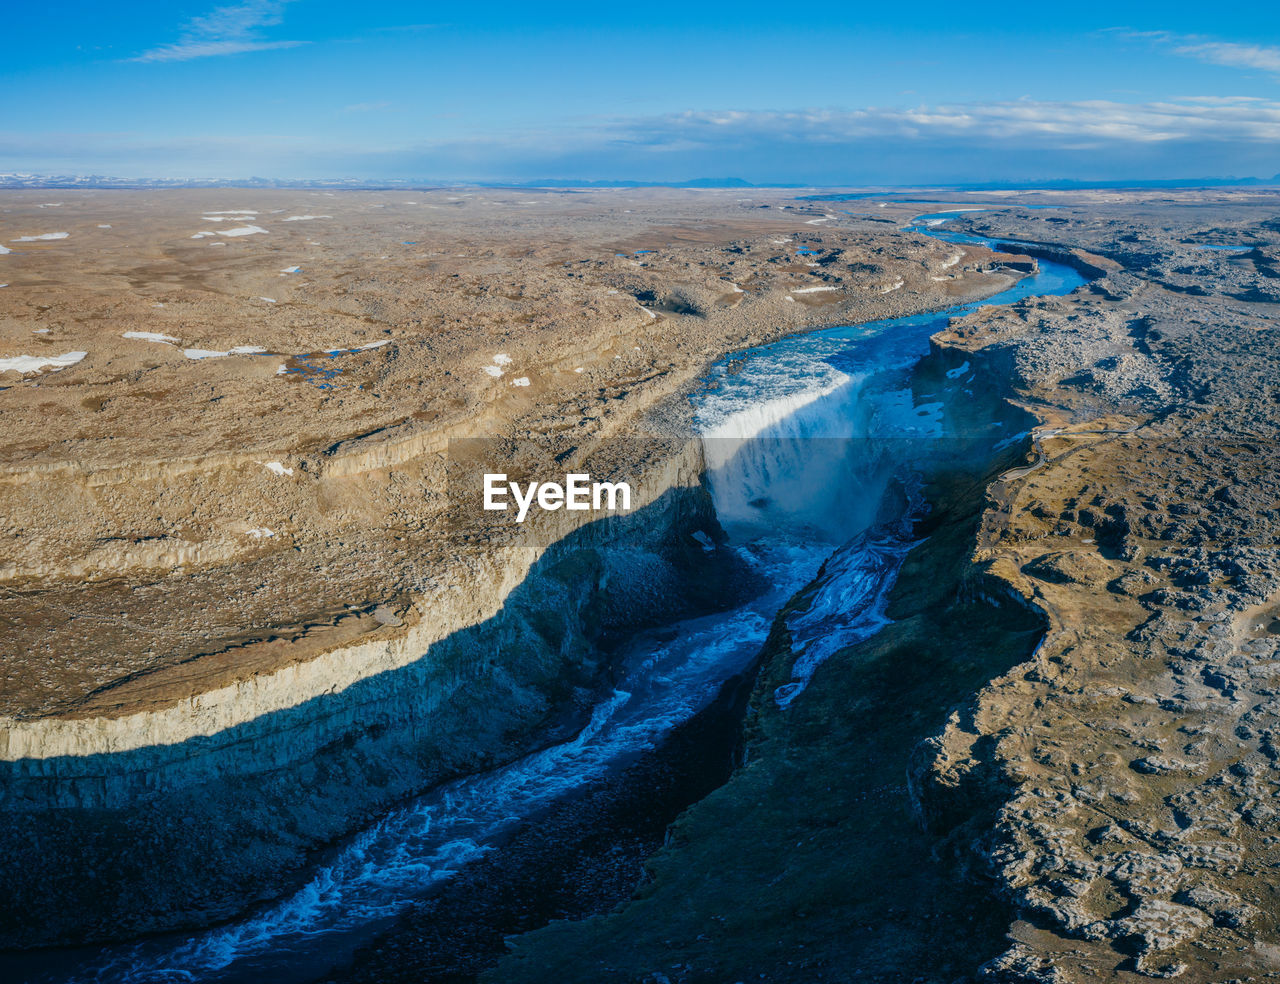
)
(18, 180)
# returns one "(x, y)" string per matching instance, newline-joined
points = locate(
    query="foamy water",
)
(378, 872)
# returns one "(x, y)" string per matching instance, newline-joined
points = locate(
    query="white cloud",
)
(237, 20)
(230, 30)
(1185, 137)
(187, 50)
(1233, 54)
(1081, 123)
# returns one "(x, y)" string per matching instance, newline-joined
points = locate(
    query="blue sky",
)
(849, 93)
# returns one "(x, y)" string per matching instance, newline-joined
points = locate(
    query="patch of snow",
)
(812, 290)
(235, 211)
(202, 235)
(522, 381)
(292, 269)
(104, 227)
(36, 363)
(43, 235)
(502, 359)
(959, 371)
(34, 331)
(149, 336)
(269, 300)
(896, 285)
(951, 261)
(493, 371)
(789, 298)
(5, 249)
(50, 205)
(579, 369)
(282, 369)
(305, 218)
(276, 468)
(258, 532)
(248, 230)
(210, 354)
(373, 345)
(648, 312)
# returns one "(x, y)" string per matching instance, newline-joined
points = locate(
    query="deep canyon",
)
(940, 628)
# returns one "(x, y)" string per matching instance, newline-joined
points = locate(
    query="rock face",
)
(144, 743)
(189, 826)
(1133, 757)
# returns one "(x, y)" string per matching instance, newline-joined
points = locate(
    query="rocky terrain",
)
(1091, 799)
(1132, 756)
(1055, 765)
(240, 613)
(150, 455)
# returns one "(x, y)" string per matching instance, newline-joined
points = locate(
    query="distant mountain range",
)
(1068, 184)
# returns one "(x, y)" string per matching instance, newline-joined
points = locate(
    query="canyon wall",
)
(191, 810)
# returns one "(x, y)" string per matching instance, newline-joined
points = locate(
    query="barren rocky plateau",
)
(1131, 761)
(160, 511)
(1117, 792)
